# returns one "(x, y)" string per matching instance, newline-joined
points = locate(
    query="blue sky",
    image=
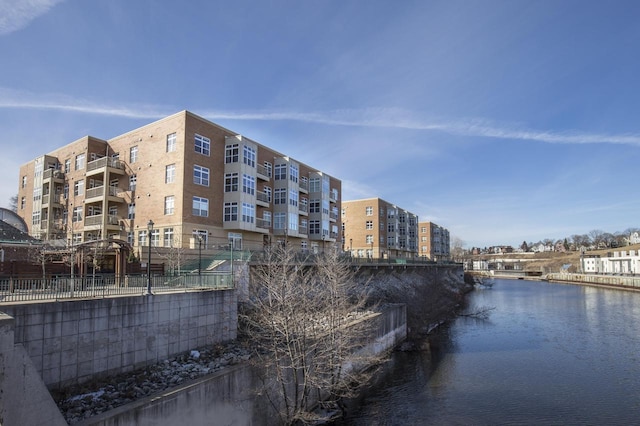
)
(502, 121)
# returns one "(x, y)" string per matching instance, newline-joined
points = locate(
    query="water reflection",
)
(549, 354)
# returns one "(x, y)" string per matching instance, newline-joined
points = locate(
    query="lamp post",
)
(323, 237)
(350, 247)
(149, 229)
(371, 249)
(199, 254)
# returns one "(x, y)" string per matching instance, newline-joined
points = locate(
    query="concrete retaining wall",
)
(74, 341)
(608, 280)
(228, 397)
(24, 399)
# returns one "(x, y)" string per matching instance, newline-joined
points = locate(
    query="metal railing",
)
(101, 286)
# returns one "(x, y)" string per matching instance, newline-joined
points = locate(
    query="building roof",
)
(11, 234)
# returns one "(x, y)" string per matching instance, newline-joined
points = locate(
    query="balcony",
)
(56, 175)
(263, 224)
(95, 222)
(333, 195)
(304, 186)
(102, 164)
(333, 216)
(97, 193)
(303, 230)
(55, 199)
(263, 173)
(262, 199)
(303, 209)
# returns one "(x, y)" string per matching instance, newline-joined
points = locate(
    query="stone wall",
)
(75, 341)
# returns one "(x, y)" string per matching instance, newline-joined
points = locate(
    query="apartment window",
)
(78, 187)
(131, 211)
(155, 237)
(231, 153)
(391, 227)
(133, 154)
(170, 173)
(171, 142)
(200, 175)
(325, 206)
(279, 220)
(24, 181)
(314, 206)
(67, 165)
(314, 185)
(248, 213)
(142, 237)
(35, 217)
(314, 227)
(268, 168)
(168, 237)
(280, 196)
(391, 241)
(369, 211)
(77, 214)
(423, 229)
(230, 212)
(230, 182)
(369, 239)
(80, 159)
(423, 239)
(200, 206)
(293, 221)
(23, 201)
(369, 224)
(65, 191)
(266, 216)
(249, 156)
(76, 238)
(293, 173)
(293, 197)
(248, 184)
(280, 172)
(382, 226)
(133, 181)
(130, 236)
(267, 193)
(169, 204)
(37, 194)
(202, 145)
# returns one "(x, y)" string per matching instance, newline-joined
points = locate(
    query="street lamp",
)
(372, 249)
(350, 247)
(149, 229)
(199, 254)
(323, 237)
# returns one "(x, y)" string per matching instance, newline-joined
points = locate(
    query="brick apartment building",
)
(434, 241)
(375, 228)
(200, 184)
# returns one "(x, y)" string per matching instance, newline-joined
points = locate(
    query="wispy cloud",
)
(396, 118)
(17, 14)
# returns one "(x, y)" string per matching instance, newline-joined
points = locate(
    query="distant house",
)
(634, 238)
(617, 262)
(559, 246)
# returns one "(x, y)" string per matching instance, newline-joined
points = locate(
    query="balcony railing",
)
(103, 162)
(262, 170)
(303, 208)
(263, 224)
(98, 191)
(262, 196)
(304, 185)
(52, 173)
(96, 220)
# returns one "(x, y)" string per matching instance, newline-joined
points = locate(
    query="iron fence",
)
(101, 286)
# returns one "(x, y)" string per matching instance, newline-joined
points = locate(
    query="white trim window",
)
(133, 154)
(248, 213)
(249, 156)
(171, 142)
(248, 184)
(200, 206)
(230, 182)
(231, 212)
(202, 145)
(169, 204)
(170, 173)
(231, 153)
(200, 175)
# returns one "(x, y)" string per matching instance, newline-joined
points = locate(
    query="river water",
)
(549, 354)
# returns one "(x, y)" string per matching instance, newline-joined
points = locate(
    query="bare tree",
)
(303, 321)
(596, 237)
(174, 255)
(457, 249)
(13, 203)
